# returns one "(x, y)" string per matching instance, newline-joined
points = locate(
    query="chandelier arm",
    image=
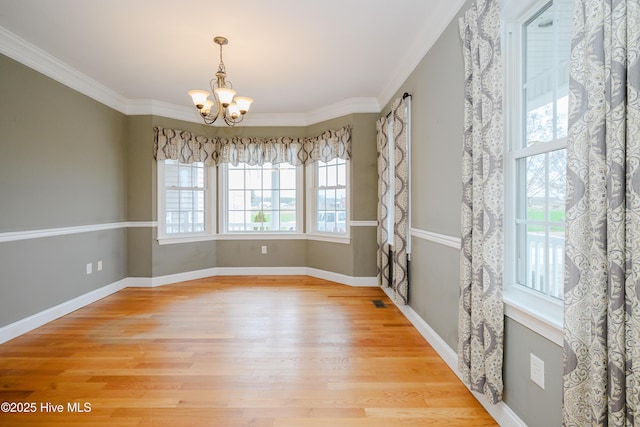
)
(219, 82)
(229, 120)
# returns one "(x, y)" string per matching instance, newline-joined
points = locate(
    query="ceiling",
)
(297, 59)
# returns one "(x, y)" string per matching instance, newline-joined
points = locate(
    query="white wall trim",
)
(537, 322)
(363, 223)
(150, 282)
(33, 57)
(442, 239)
(34, 321)
(342, 278)
(500, 412)
(12, 236)
(439, 18)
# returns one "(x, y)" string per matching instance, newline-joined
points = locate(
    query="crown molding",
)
(425, 40)
(35, 58)
(343, 108)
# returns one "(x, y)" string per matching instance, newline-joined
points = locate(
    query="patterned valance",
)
(187, 147)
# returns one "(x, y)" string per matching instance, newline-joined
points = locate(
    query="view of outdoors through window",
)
(184, 197)
(541, 158)
(261, 198)
(331, 196)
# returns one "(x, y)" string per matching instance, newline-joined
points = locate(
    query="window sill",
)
(331, 238)
(171, 240)
(545, 319)
(261, 236)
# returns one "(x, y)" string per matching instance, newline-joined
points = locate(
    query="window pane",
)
(288, 179)
(257, 203)
(332, 176)
(321, 200)
(236, 200)
(341, 199)
(260, 220)
(171, 173)
(236, 221)
(198, 222)
(288, 200)
(172, 200)
(186, 200)
(322, 174)
(253, 179)
(540, 223)
(184, 193)
(185, 178)
(536, 186)
(287, 220)
(342, 175)
(199, 201)
(185, 222)
(235, 179)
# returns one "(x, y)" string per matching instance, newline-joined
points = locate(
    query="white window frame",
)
(312, 187)
(210, 209)
(253, 235)
(538, 312)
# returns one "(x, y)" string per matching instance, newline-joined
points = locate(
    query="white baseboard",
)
(260, 271)
(150, 282)
(341, 278)
(500, 412)
(34, 321)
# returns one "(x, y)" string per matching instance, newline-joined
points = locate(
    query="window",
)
(537, 118)
(184, 200)
(329, 198)
(259, 199)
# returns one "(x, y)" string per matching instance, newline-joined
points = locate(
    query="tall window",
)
(261, 199)
(330, 198)
(537, 141)
(184, 198)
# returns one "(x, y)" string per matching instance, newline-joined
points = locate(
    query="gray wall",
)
(62, 164)
(146, 258)
(82, 163)
(437, 122)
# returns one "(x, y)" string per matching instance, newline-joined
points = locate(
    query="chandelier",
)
(225, 103)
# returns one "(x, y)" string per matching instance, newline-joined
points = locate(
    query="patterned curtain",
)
(396, 274)
(481, 308)
(188, 148)
(384, 188)
(602, 273)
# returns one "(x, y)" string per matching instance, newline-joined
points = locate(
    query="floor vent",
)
(378, 303)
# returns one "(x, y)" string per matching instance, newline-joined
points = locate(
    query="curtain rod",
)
(404, 96)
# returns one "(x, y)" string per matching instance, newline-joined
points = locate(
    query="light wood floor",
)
(234, 351)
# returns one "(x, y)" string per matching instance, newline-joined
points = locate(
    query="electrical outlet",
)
(100, 265)
(264, 250)
(537, 370)
(89, 268)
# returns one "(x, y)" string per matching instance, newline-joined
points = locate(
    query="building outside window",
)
(259, 199)
(329, 197)
(537, 120)
(184, 197)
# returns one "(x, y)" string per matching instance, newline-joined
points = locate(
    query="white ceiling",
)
(295, 58)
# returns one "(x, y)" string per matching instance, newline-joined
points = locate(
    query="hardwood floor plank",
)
(272, 351)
